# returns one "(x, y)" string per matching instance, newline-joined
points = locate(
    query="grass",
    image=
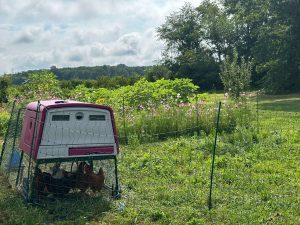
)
(256, 180)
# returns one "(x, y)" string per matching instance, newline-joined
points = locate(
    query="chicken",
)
(57, 182)
(79, 178)
(58, 187)
(95, 181)
(39, 184)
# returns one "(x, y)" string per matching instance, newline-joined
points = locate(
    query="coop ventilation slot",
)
(60, 118)
(97, 117)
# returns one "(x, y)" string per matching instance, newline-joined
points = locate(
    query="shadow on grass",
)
(76, 208)
(285, 105)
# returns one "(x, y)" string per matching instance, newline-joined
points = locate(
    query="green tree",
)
(217, 29)
(4, 84)
(42, 85)
(186, 53)
(157, 72)
(269, 33)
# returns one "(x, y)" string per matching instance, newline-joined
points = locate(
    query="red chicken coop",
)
(58, 135)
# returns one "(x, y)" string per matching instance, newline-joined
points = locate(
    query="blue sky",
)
(37, 34)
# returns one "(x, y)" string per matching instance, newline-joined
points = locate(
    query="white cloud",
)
(38, 34)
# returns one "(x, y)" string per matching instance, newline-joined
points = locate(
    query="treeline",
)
(265, 33)
(85, 73)
(101, 82)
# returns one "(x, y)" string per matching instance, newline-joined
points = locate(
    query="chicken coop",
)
(58, 147)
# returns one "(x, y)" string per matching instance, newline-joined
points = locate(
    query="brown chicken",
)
(79, 178)
(95, 181)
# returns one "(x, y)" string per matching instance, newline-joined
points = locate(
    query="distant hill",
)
(85, 72)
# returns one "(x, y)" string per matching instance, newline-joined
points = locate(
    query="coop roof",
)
(59, 103)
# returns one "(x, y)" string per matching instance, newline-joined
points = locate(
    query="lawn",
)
(256, 180)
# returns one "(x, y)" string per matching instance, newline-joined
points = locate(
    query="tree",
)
(235, 77)
(157, 72)
(4, 83)
(186, 53)
(269, 33)
(277, 50)
(42, 85)
(217, 29)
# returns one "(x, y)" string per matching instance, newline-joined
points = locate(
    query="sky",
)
(38, 34)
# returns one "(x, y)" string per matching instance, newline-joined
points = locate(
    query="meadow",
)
(165, 178)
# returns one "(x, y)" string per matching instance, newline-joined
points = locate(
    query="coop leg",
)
(33, 192)
(116, 192)
(19, 169)
(91, 164)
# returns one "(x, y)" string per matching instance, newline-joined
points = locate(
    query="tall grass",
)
(181, 120)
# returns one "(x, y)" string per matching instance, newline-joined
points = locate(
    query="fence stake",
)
(213, 159)
(7, 131)
(197, 116)
(257, 122)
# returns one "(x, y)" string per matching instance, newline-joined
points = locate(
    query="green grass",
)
(256, 179)
(283, 103)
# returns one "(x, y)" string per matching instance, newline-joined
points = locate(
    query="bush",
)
(235, 77)
(4, 117)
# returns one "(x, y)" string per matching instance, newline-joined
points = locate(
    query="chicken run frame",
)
(56, 133)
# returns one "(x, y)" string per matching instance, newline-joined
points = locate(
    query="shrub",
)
(4, 117)
(234, 76)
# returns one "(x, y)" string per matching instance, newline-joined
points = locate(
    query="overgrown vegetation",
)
(166, 127)
(166, 182)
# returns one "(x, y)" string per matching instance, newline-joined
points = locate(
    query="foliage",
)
(267, 32)
(157, 72)
(84, 72)
(217, 29)
(42, 85)
(140, 95)
(4, 117)
(236, 77)
(101, 82)
(186, 53)
(4, 84)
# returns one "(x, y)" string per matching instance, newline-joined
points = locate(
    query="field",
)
(256, 179)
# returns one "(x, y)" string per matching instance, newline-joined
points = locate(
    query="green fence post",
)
(213, 159)
(197, 116)
(257, 118)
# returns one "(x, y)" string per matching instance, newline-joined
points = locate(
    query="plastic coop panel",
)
(66, 129)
